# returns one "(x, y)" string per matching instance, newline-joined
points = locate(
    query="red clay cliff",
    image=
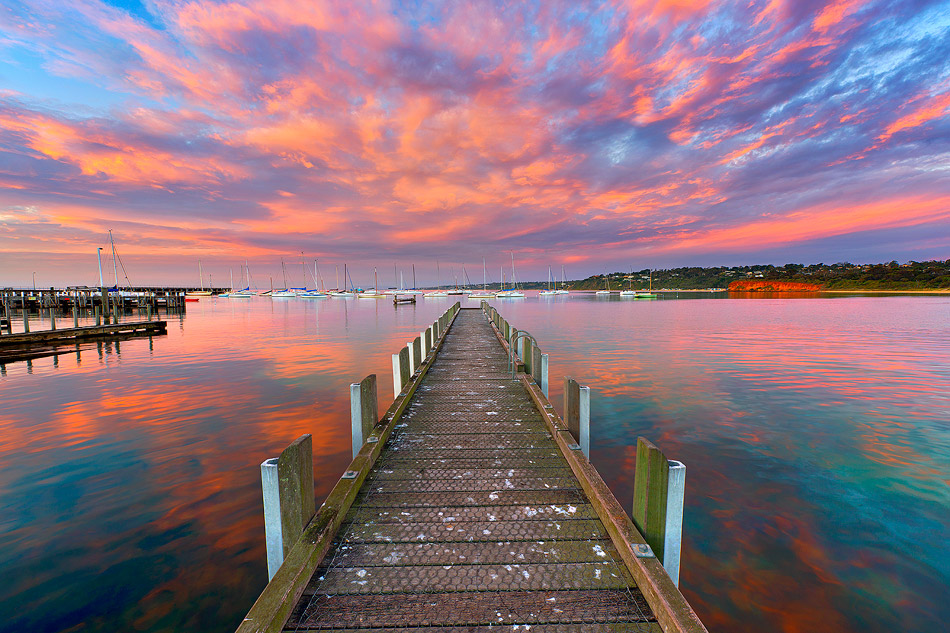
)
(765, 285)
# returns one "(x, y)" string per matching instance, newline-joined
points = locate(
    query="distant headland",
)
(886, 277)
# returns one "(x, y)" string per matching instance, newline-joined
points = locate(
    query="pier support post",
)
(364, 411)
(427, 338)
(544, 374)
(536, 363)
(289, 502)
(572, 407)
(26, 321)
(52, 319)
(75, 315)
(400, 370)
(583, 414)
(415, 358)
(577, 413)
(659, 489)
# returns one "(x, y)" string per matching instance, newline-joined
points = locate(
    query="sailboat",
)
(315, 293)
(240, 294)
(484, 294)
(514, 293)
(650, 294)
(439, 292)
(375, 294)
(550, 291)
(561, 290)
(342, 293)
(285, 292)
(201, 284)
(607, 291)
(629, 292)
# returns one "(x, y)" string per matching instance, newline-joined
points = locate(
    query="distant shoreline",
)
(933, 291)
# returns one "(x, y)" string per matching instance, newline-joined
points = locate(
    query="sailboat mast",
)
(283, 272)
(413, 276)
(375, 282)
(201, 280)
(115, 271)
(484, 277)
(99, 257)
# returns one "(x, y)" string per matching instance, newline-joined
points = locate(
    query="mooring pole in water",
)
(659, 489)
(26, 321)
(289, 503)
(364, 412)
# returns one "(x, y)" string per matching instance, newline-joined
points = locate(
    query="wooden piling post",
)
(52, 319)
(400, 370)
(75, 315)
(26, 321)
(572, 407)
(105, 304)
(427, 337)
(527, 355)
(536, 363)
(295, 505)
(364, 411)
(657, 513)
(415, 359)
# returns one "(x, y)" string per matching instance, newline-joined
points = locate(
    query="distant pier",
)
(49, 321)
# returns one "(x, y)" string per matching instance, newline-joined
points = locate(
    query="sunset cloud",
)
(669, 132)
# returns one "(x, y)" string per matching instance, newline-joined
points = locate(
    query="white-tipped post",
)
(544, 374)
(397, 378)
(356, 417)
(273, 536)
(584, 415)
(673, 539)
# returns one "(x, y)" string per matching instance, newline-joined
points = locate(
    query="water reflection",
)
(814, 433)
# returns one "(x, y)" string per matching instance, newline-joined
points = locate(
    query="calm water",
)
(816, 435)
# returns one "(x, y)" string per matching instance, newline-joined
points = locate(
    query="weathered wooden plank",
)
(506, 608)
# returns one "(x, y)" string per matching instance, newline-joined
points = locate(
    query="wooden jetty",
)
(470, 505)
(14, 347)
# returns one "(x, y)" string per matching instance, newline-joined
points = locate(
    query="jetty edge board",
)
(273, 607)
